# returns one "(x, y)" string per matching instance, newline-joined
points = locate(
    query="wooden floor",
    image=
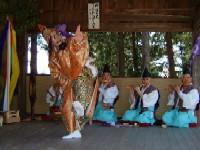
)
(39, 135)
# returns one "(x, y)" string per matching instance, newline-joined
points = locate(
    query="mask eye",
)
(62, 46)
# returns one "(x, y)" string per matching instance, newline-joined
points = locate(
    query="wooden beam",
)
(169, 11)
(117, 15)
(134, 27)
(135, 4)
(142, 27)
(146, 18)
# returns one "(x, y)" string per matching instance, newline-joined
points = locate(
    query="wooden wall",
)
(121, 15)
(196, 19)
(43, 82)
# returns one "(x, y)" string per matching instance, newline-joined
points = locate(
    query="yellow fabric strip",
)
(15, 65)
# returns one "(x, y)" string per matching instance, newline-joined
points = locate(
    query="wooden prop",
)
(11, 116)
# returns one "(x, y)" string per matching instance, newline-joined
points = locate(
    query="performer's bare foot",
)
(74, 135)
(135, 124)
(90, 122)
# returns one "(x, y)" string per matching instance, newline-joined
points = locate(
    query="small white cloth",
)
(91, 66)
(78, 108)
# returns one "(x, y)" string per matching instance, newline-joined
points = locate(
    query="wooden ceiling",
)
(122, 15)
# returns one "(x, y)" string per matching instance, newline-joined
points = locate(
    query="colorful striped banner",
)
(9, 66)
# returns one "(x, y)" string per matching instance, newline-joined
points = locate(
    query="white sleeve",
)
(190, 99)
(111, 93)
(101, 89)
(60, 93)
(51, 91)
(171, 99)
(61, 90)
(101, 92)
(150, 99)
(49, 95)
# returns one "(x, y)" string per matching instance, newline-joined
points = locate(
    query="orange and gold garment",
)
(66, 64)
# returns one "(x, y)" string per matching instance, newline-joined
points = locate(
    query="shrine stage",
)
(46, 135)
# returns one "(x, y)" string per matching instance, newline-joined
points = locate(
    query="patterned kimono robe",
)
(184, 104)
(143, 111)
(83, 92)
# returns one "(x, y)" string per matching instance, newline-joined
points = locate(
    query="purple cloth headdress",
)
(62, 28)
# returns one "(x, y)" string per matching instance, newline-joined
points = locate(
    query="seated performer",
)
(134, 110)
(144, 99)
(183, 100)
(108, 92)
(54, 98)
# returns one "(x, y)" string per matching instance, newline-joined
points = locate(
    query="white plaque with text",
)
(93, 16)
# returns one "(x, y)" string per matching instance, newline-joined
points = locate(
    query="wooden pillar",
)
(170, 54)
(121, 54)
(22, 54)
(32, 82)
(135, 56)
(145, 50)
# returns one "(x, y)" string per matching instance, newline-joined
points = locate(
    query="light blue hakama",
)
(147, 116)
(169, 117)
(179, 119)
(97, 111)
(131, 115)
(105, 115)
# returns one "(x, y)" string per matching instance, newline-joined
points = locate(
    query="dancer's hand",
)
(78, 34)
(170, 88)
(137, 89)
(177, 88)
(41, 27)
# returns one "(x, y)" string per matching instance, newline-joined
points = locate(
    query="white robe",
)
(108, 94)
(149, 99)
(190, 100)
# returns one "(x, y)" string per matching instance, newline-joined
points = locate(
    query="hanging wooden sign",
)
(93, 16)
